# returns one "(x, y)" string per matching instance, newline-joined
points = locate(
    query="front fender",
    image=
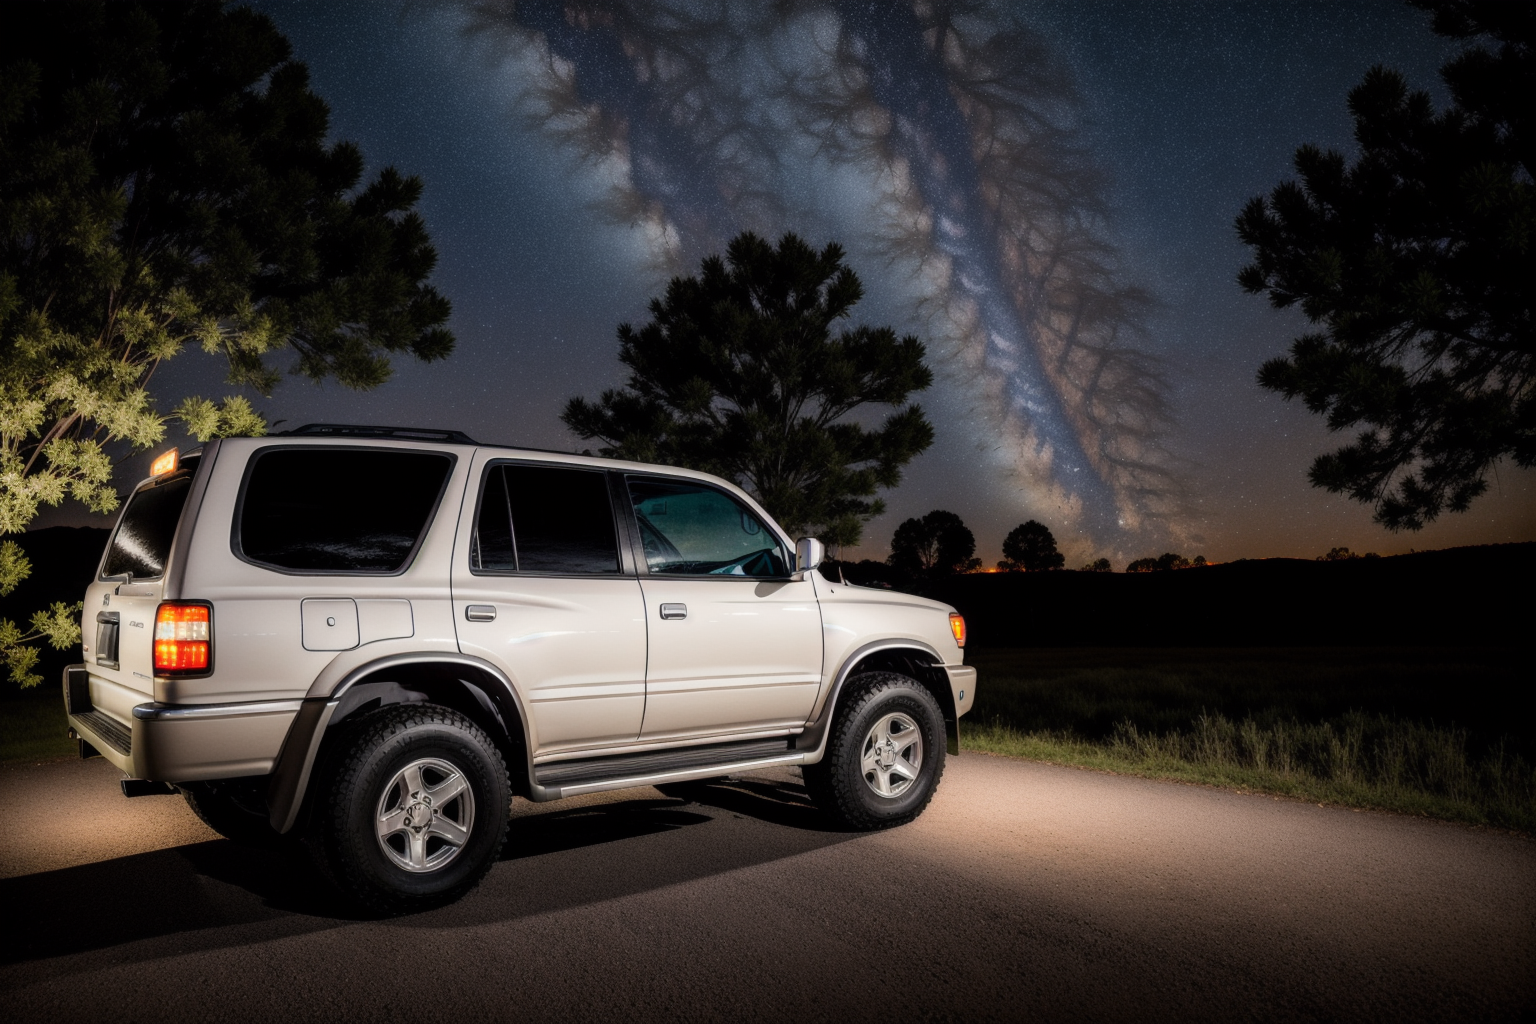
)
(814, 738)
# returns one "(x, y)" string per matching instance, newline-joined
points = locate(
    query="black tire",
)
(837, 782)
(363, 769)
(236, 809)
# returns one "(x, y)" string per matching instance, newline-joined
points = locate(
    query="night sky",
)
(570, 168)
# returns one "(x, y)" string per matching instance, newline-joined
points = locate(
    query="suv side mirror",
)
(809, 553)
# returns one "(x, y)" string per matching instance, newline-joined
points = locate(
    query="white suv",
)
(373, 637)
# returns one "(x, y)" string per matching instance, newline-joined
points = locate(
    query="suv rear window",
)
(545, 519)
(338, 510)
(142, 542)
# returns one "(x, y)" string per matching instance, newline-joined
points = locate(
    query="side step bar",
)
(626, 771)
(658, 762)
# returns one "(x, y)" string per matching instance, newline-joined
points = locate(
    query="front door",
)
(541, 592)
(735, 642)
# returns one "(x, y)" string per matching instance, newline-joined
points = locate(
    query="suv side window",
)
(550, 519)
(338, 510)
(691, 529)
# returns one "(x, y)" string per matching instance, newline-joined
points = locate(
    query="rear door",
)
(542, 590)
(735, 641)
(119, 617)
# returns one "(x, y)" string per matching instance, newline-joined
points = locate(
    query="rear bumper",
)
(182, 742)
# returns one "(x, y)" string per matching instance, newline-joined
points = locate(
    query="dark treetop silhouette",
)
(1031, 546)
(1416, 263)
(739, 374)
(938, 544)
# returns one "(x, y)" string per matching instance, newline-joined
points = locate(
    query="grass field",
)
(1442, 732)
(32, 725)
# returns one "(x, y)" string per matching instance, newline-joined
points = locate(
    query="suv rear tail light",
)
(183, 638)
(957, 627)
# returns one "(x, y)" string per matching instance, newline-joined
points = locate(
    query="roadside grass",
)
(1443, 733)
(33, 726)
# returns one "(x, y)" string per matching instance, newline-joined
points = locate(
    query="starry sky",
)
(1095, 358)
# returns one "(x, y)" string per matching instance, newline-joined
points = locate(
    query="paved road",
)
(1025, 892)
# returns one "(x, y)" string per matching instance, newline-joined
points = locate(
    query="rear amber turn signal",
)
(957, 627)
(183, 638)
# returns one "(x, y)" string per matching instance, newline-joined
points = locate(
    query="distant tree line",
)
(1344, 555)
(1164, 562)
(939, 544)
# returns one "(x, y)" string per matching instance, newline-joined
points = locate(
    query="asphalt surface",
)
(1025, 892)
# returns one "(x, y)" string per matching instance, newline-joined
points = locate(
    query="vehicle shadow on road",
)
(562, 859)
(145, 906)
(776, 801)
(250, 895)
(535, 835)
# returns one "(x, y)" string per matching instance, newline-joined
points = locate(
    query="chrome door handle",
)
(480, 612)
(674, 611)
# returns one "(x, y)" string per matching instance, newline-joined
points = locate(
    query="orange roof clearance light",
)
(163, 464)
(183, 638)
(957, 627)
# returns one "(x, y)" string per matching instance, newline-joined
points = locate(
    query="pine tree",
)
(739, 374)
(1416, 262)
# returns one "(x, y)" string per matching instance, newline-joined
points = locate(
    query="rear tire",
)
(236, 809)
(411, 809)
(885, 756)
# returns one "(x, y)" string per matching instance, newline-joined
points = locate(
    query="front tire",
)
(412, 809)
(885, 756)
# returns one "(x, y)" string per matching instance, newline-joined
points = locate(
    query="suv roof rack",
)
(354, 430)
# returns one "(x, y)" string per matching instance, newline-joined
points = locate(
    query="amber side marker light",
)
(957, 627)
(163, 464)
(183, 638)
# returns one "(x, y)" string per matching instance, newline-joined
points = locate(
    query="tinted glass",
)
(561, 521)
(339, 509)
(493, 535)
(142, 542)
(691, 529)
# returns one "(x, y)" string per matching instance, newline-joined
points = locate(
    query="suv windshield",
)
(338, 510)
(691, 529)
(142, 543)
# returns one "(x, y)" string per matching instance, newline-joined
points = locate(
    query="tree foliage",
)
(166, 181)
(1031, 547)
(59, 625)
(1098, 565)
(938, 544)
(739, 374)
(1415, 263)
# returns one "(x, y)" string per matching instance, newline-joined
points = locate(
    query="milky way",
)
(964, 125)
